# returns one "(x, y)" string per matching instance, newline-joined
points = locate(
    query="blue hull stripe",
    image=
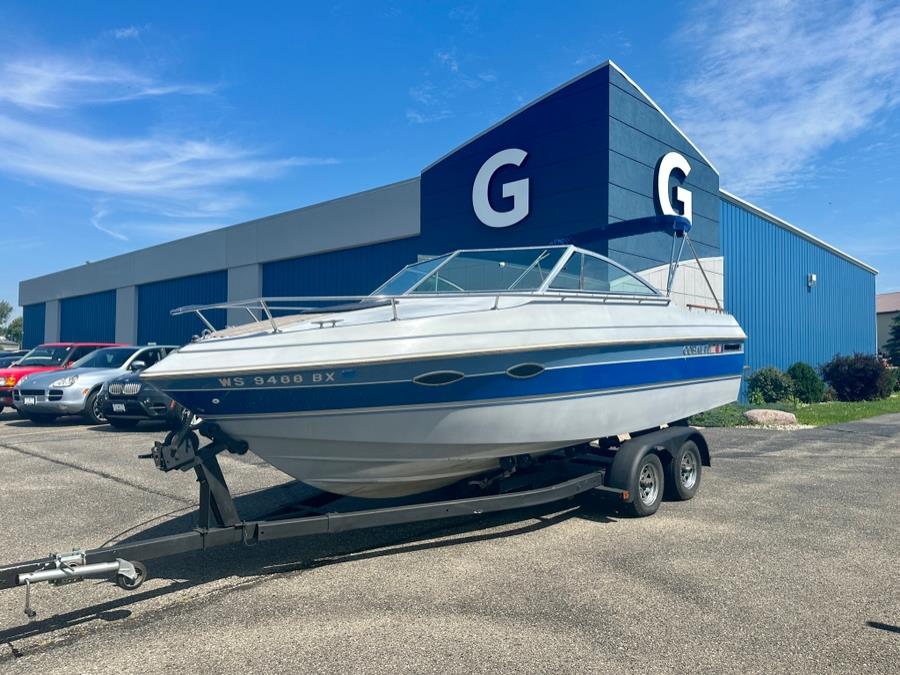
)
(211, 398)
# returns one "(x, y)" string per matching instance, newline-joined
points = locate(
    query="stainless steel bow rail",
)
(520, 482)
(263, 310)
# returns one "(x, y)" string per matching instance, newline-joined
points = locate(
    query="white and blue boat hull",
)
(381, 429)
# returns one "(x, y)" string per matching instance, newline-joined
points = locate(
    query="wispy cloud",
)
(50, 133)
(777, 83)
(448, 59)
(169, 168)
(467, 16)
(96, 220)
(444, 81)
(126, 33)
(54, 82)
(417, 117)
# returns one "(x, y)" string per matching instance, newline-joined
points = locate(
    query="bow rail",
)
(262, 310)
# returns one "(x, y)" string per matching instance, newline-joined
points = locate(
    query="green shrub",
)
(894, 376)
(808, 386)
(769, 385)
(861, 377)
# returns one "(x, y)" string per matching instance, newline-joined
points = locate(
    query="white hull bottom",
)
(378, 453)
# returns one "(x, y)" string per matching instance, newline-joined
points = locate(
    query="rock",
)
(770, 417)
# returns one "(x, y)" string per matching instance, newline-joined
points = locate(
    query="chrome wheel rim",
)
(97, 410)
(648, 484)
(688, 470)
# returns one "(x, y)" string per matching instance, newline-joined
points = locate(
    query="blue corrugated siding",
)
(766, 270)
(88, 318)
(354, 271)
(156, 300)
(33, 317)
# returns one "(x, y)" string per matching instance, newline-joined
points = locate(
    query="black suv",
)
(127, 400)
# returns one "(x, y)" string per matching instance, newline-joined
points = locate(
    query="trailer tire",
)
(647, 486)
(683, 475)
(127, 584)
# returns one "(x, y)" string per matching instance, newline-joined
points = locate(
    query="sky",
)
(124, 125)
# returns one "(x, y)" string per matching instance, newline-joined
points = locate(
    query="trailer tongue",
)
(522, 482)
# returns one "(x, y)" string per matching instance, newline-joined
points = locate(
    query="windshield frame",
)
(544, 288)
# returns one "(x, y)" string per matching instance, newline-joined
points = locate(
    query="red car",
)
(50, 356)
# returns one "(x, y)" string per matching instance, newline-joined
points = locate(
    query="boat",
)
(456, 366)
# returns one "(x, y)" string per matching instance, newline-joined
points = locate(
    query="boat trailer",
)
(521, 482)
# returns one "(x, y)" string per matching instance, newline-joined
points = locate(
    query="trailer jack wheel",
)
(131, 584)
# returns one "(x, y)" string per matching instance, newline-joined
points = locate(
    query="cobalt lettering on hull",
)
(592, 153)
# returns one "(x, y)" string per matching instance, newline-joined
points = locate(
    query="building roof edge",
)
(781, 222)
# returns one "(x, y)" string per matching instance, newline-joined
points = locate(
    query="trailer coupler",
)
(67, 568)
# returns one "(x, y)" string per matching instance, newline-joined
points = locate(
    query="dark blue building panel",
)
(156, 300)
(767, 289)
(88, 318)
(565, 137)
(33, 317)
(639, 136)
(355, 271)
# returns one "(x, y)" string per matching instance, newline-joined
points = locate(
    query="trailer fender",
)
(664, 442)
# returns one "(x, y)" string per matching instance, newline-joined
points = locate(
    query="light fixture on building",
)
(811, 280)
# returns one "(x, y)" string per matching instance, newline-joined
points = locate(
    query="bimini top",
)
(515, 270)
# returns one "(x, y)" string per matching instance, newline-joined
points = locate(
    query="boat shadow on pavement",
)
(252, 565)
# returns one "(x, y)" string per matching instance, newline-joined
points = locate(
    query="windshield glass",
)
(113, 357)
(45, 356)
(583, 272)
(408, 277)
(486, 271)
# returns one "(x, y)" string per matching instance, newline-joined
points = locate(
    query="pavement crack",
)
(97, 472)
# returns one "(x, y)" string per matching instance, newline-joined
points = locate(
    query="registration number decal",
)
(28, 400)
(279, 380)
(118, 407)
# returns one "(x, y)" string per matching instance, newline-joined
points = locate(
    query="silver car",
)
(42, 397)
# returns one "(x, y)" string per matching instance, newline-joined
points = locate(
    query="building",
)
(594, 154)
(887, 307)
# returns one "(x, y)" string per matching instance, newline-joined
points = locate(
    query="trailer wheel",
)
(683, 479)
(647, 486)
(132, 584)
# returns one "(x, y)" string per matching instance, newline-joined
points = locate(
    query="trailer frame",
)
(600, 466)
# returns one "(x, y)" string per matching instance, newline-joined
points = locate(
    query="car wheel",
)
(92, 409)
(122, 424)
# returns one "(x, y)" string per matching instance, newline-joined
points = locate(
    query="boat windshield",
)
(408, 277)
(499, 270)
(516, 270)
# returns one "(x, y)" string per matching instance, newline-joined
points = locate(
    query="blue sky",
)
(124, 125)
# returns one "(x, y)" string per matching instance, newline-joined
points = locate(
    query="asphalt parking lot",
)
(786, 561)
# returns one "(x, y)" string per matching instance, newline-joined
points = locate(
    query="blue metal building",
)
(596, 152)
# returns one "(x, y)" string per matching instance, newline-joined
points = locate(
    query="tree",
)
(892, 346)
(5, 310)
(15, 330)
